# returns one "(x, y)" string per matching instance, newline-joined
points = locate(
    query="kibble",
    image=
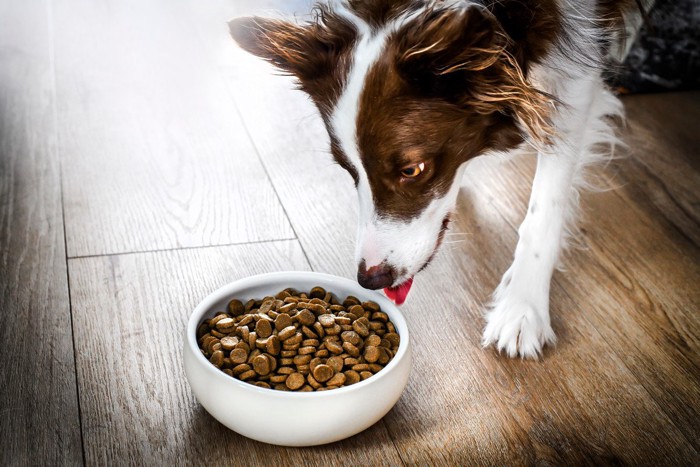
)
(299, 341)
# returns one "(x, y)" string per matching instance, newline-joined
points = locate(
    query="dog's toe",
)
(517, 329)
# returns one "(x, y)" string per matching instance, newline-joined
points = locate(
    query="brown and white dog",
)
(411, 90)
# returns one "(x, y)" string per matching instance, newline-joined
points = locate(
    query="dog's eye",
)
(413, 171)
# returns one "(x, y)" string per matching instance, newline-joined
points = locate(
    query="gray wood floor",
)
(146, 161)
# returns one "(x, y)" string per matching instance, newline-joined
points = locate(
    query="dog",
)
(411, 90)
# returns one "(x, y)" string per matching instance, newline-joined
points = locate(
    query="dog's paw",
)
(517, 328)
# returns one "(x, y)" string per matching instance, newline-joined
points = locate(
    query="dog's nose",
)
(376, 277)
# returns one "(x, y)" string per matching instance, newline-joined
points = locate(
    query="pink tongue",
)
(399, 293)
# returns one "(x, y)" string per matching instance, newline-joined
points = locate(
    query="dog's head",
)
(408, 94)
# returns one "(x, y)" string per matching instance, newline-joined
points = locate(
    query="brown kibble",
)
(323, 373)
(295, 339)
(302, 359)
(371, 353)
(295, 381)
(361, 327)
(393, 339)
(287, 333)
(373, 340)
(262, 384)
(247, 375)
(322, 353)
(278, 378)
(288, 353)
(317, 292)
(273, 345)
(235, 307)
(319, 329)
(245, 320)
(350, 301)
(312, 381)
(384, 356)
(338, 379)
(306, 388)
(352, 337)
(305, 318)
(361, 367)
(216, 319)
(351, 349)
(375, 367)
(326, 320)
(263, 328)
(217, 359)
(229, 342)
(285, 370)
(216, 333)
(261, 365)
(336, 363)
(287, 308)
(242, 368)
(238, 356)
(351, 377)
(308, 332)
(316, 308)
(310, 342)
(334, 347)
(371, 306)
(365, 374)
(282, 321)
(307, 350)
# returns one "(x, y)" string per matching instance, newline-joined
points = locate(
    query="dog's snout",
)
(376, 277)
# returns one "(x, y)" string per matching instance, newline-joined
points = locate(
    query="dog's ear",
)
(306, 51)
(288, 46)
(462, 55)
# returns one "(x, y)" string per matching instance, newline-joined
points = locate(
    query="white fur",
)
(405, 245)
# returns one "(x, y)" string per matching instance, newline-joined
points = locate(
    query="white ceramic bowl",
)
(290, 418)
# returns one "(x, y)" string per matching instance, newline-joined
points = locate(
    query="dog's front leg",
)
(518, 322)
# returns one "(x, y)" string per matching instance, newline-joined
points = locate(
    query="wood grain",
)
(157, 156)
(663, 161)
(39, 421)
(130, 313)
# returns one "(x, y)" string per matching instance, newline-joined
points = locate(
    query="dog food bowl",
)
(294, 418)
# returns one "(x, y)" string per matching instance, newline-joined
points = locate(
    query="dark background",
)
(666, 53)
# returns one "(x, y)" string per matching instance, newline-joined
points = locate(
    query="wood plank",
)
(580, 405)
(137, 407)
(157, 157)
(39, 422)
(663, 158)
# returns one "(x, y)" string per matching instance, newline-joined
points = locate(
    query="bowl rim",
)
(260, 279)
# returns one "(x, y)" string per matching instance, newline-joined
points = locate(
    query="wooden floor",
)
(145, 161)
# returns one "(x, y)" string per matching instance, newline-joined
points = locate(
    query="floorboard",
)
(155, 158)
(39, 417)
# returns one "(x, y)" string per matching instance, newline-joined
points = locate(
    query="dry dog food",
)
(298, 341)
